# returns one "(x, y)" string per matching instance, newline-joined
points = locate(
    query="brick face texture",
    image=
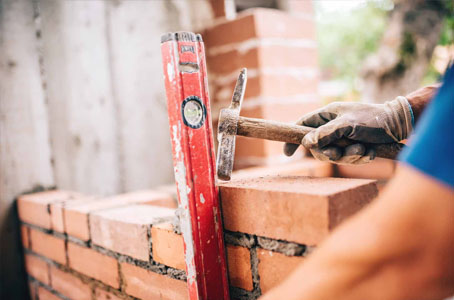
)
(135, 250)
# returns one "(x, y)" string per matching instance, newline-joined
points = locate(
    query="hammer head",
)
(227, 129)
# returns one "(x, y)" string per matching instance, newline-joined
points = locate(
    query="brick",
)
(259, 23)
(32, 290)
(377, 169)
(304, 167)
(145, 284)
(44, 294)
(69, 285)
(101, 294)
(76, 215)
(25, 236)
(272, 85)
(57, 215)
(34, 208)
(239, 264)
(37, 268)
(168, 247)
(275, 267)
(263, 56)
(292, 208)
(48, 246)
(125, 229)
(93, 264)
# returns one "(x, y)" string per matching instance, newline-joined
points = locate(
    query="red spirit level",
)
(188, 104)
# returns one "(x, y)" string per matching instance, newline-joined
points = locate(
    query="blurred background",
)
(82, 100)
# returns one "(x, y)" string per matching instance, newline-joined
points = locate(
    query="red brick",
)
(93, 264)
(259, 23)
(44, 294)
(292, 208)
(304, 167)
(33, 291)
(101, 294)
(377, 169)
(145, 284)
(37, 268)
(263, 56)
(239, 264)
(290, 26)
(69, 285)
(34, 208)
(124, 229)
(275, 267)
(231, 31)
(48, 246)
(168, 247)
(25, 236)
(57, 215)
(76, 214)
(271, 85)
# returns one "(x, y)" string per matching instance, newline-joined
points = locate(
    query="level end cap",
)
(184, 36)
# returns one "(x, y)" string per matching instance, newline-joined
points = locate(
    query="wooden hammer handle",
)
(292, 133)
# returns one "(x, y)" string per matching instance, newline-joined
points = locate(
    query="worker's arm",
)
(398, 248)
(392, 121)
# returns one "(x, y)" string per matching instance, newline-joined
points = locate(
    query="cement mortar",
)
(284, 247)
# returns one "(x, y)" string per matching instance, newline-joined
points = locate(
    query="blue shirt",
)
(432, 148)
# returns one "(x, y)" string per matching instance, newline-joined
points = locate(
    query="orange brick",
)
(48, 246)
(274, 267)
(124, 229)
(93, 264)
(34, 208)
(270, 56)
(69, 285)
(76, 213)
(57, 212)
(25, 236)
(231, 31)
(290, 26)
(270, 85)
(239, 264)
(304, 167)
(377, 169)
(44, 294)
(292, 208)
(37, 268)
(101, 294)
(32, 290)
(168, 247)
(259, 22)
(145, 284)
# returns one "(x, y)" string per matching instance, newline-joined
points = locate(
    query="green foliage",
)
(447, 34)
(347, 38)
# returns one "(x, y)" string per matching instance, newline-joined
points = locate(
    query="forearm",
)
(395, 249)
(419, 99)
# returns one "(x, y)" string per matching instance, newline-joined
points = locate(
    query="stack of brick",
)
(279, 49)
(129, 246)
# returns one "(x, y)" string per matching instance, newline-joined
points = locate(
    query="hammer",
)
(231, 124)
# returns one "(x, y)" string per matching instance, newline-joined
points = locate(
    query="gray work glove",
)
(362, 122)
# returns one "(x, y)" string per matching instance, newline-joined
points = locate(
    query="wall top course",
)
(137, 214)
(302, 185)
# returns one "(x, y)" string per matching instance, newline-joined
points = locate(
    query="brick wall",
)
(129, 246)
(279, 49)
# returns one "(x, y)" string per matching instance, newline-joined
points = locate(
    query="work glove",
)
(360, 122)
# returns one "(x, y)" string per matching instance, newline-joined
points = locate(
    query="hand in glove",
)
(361, 122)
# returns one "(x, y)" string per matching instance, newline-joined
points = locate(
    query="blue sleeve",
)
(431, 149)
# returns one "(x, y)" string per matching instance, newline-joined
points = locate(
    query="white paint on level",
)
(202, 199)
(184, 214)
